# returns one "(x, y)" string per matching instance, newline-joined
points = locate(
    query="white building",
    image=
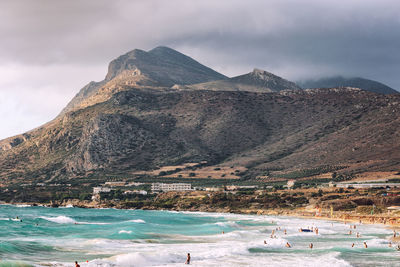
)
(157, 187)
(370, 185)
(139, 192)
(290, 183)
(100, 189)
(237, 187)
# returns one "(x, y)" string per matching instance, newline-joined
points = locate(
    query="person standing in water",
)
(288, 245)
(311, 245)
(365, 245)
(76, 264)
(188, 259)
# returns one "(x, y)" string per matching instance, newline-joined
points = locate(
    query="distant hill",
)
(255, 81)
(339, 81)
(135, 120)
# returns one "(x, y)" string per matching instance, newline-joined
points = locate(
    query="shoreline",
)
(344, 217)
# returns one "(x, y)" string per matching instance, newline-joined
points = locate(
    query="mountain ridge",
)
(135, 120)
(339, 81)
(256, 81)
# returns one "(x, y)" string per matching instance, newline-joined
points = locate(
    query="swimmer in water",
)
(188, 259)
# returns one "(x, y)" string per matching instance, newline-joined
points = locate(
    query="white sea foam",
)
(67, 206)
(224, 224)
(125, 232)
(244, 246)
(59, 219)
(137, 221)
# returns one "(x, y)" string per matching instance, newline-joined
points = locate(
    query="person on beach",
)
(76, 264)
(188, 259)
(311, 245)
(288, 245)
(365, 245)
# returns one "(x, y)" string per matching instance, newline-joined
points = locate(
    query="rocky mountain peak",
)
(160, 67)
(163, 65)
(264, 79)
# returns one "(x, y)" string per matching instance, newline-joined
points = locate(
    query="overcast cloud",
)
(50, 49)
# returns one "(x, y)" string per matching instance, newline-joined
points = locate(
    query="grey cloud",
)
(294, 39)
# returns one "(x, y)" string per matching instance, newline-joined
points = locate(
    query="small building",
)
(138, 192)
(290, 183)
(237, 187)
(98, 190)
(134, 184)
(213, 189)
(369, 185)
(157, 187)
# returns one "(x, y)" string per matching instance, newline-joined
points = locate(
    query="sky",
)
(50, 49)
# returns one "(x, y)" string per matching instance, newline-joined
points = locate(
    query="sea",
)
(45, 236)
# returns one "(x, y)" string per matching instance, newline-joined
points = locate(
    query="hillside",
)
(339, 81)
(132, 124)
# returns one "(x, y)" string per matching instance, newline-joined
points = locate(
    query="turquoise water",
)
(109, 237)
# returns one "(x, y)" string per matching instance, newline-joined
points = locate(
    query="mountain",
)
(134, 121)
(159, 67)
(339, 81)
(255, 81)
